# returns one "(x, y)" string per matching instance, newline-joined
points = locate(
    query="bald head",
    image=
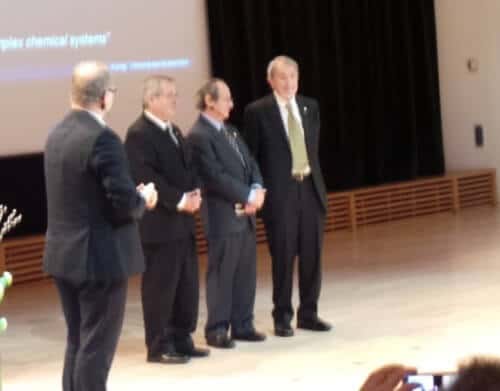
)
(90, 81)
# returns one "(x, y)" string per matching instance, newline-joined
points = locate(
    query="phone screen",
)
(431, 381)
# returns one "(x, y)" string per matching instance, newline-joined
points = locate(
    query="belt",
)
(299, 177)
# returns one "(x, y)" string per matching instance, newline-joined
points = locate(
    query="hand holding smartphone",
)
(431, 381)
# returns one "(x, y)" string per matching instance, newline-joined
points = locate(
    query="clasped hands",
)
(192, 201)
(251, 208)
(149, 193)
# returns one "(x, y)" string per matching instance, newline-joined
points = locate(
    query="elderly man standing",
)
(232, 187)
(282, 131)
(92, 242)
(159, 153)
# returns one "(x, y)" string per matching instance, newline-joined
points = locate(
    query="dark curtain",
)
(23, 188)
(372, 64)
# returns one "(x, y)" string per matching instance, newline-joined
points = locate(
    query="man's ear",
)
(209, 102)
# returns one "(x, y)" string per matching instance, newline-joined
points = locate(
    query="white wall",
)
(469, 28)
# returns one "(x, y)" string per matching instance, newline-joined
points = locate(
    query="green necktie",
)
(297, 143)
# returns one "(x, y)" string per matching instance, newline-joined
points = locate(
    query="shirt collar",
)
(98, 117)
(157, 121)
(216, 124)
(282, 102)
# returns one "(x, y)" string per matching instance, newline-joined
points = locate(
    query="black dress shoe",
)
(220, 340)
(168, 358)
(249, 336)
(283, 330)
(315, 324)
(194, 352)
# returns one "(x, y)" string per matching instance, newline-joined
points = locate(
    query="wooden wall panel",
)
(346, 210)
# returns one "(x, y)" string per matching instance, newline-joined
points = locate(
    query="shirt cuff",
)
(182, 203)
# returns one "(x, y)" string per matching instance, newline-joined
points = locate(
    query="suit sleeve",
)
(251, 131)
(255, 175)
(144, 167)
(212, 173)
(109, 162)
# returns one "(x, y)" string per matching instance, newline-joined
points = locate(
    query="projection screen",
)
(40, 41)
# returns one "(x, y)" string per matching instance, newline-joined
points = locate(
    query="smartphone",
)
(431, 381)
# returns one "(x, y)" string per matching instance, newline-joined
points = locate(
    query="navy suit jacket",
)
(92, 204)
(226, 180)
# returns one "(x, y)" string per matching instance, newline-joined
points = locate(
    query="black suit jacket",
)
(226, 180)
(267, 139)
(154, 157)
(92, 204)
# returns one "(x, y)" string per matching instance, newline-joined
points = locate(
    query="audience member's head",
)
(474, 374)
(478, 374)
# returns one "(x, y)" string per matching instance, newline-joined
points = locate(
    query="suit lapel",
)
(304, 114)
(276, 120)
(221, 141)
(182, 146)
(162, 137)
(242, 150)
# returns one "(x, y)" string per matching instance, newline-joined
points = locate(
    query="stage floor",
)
(423, 292)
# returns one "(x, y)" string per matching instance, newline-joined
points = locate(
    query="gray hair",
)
(211, 89)
(283, 60)
(153, 86)
(89, 83)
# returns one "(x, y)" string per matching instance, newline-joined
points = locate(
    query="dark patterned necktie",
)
(174, 134)
(231, 138)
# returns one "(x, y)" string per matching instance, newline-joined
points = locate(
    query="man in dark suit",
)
(282, 131)
(92, 242)
(233, 192)
(159, 153)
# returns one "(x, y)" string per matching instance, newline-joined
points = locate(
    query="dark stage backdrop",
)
(372, 64)
(22, 187)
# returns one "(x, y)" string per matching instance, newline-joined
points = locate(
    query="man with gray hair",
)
(92, 242)
(282, 131)
(159, 153)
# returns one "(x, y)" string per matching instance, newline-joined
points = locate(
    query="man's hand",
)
(192, 202)
(389, 378)
(149, 193)
(259, 197)
(250, 209)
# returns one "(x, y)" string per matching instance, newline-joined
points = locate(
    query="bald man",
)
(92, 242)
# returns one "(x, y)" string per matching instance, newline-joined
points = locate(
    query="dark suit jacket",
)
(226, 181)
(154, 157)
(267, 139)
(92, 204)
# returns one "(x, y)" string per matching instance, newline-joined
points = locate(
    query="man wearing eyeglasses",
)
(92, 242)
(158, 153)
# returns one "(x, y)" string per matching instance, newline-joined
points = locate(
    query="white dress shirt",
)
(284, 112)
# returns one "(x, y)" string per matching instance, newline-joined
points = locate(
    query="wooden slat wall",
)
(346, 210)
(23, 258)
